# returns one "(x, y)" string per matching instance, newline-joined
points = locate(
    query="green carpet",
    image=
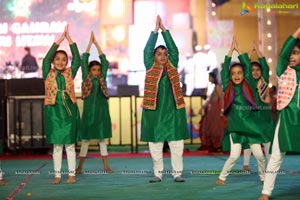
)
(131, 176)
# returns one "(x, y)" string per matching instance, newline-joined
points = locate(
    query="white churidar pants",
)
(57, 159)
(247, 153)
(235, 152)
(85, 146)
(176, 148)
(273, 165)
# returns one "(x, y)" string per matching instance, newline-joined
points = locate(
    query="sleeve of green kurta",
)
(172, 48)
(246, 62)
(149, 50)
(76, 61)
(104, 65)
(46, 66)
(225, 76)
(284, 56)
(84, 65)
(265, 68)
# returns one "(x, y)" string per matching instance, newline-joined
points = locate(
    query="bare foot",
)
(78, 170)
(71, 180)
(220, 182)
(2, 182)
(108, 170)
(246, 168)
(263, 197)
(56, 180)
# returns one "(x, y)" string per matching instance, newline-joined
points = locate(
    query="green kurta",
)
(264, 114)
(96, 122)
(289, 127)
(61, 128)
(166, 123)
(243, 125)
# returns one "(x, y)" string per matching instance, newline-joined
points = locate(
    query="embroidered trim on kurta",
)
(51, 87)
(153, 76)
(87, 86)
(263, 90)
(230, 96)
(287, 83)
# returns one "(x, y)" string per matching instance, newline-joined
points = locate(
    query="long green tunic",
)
(289, 127)
(96, 122)
(60, 127)
(264, 113)
(166, 123)
(243, 125)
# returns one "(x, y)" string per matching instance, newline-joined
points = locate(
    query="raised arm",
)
(85, 58)
(97, 45)
(88, 48)
(286, 52)
(76, 61)
(296, 33)
(252, 49)
(68, 37)
(149, 48)
(102, 57)
(225, 76)
(264, 65)
(172, 48)
(46, 65)
(245, 61)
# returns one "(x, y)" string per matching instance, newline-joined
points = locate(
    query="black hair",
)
(160, 47)
(27, 49)
(274, 88)
(297, 44)
(237, 64)
(60, 51)
(254, 63)
(214, 76)
(93, 63)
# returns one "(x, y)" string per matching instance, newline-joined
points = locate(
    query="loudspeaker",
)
(26, 123)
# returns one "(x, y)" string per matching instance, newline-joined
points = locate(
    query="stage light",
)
(116, 8)
(269, 47)
(269, 60)
(116, 12)
(20, 8)
(119, 33)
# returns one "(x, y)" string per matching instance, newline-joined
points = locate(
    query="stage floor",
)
(132, 173)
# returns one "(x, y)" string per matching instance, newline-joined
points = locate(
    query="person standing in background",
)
(200, 77)
(189, 74)
(29, 65)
